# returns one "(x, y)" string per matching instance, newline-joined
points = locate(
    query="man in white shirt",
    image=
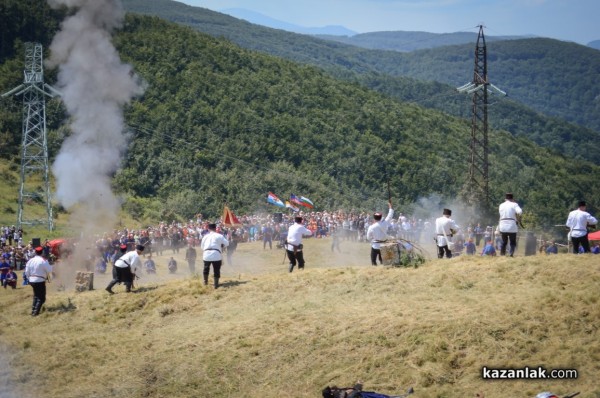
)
(212, 245)
(445, 227)
(578, 221)
(293, 243)
(126, 267)
(37, 271)
(510, 214)
(377, 233)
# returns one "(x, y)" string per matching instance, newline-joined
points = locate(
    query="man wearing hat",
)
(212, 245)
(377, 233)
(445, 227)
(293, 243)
(510, 214)
(578, 222)
(126, 267)
(37, 271)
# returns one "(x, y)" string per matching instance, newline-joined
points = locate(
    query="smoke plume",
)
(95, 86)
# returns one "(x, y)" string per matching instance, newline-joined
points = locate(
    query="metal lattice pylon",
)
(478, 183)
(34, 148)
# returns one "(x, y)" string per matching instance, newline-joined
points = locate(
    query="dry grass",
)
(268, 333)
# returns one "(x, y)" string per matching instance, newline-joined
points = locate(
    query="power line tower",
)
(477, 189)
(34, 148)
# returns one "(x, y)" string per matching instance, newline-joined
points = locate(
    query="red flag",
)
(229, 219)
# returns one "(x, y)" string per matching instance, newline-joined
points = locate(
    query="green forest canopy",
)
(222, 124)
(553, 77)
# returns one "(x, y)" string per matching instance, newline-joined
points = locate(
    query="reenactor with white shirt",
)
(578, 221)
(510, 216)
(37, 272)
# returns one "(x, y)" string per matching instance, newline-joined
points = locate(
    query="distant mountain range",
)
(261, 19)
(396, 40)
(594, 44)
(385, 40)
(406, 41)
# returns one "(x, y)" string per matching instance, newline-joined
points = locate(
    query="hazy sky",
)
(574, 20)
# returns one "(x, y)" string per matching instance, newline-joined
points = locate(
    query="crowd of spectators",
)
(171, 238)
(13, 252)
(268, 228)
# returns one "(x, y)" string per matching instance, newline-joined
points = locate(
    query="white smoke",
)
(95, 86)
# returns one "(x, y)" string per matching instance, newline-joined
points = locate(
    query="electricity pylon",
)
(34, 148)
(477, 189)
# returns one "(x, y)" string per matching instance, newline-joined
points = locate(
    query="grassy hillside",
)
(269, 333)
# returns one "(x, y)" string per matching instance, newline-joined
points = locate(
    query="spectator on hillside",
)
(478, 232)
(46, 248)
(470, 247)
(4, 270)
(335, 241)
(552, 249)
(10, 279)
(101, 265)
(150, 265)
(543, 246)
(190, 257)
(233, 242)
(172, 265)
(488, 249)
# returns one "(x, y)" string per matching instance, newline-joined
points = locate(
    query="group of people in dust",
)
(579, 221)
(213, 244)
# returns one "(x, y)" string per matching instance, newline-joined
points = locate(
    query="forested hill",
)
(554, 77)
(551, 77)
(221, 124)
